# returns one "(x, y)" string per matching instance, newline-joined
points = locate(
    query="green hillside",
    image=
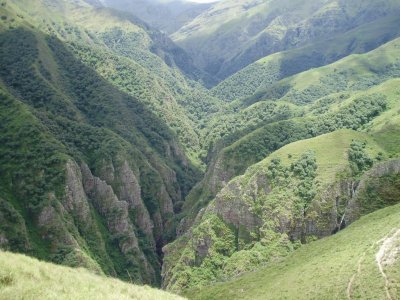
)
(233, 34)
(22, 277)
(266, 71)
(305, 188)
(360, 262)
(121, 155)
(95, 157)
(346, 94)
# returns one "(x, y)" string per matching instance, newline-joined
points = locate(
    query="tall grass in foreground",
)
(22, 277)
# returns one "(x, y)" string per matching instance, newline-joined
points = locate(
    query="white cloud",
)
(203, 1)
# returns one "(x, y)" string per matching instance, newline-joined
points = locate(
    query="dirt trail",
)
(350, 285)
(386, 256)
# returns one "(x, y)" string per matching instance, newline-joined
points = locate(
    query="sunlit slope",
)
(266, 71)
(360, 93)
(360, 262)
(233, 34)
(22, 277)
(305, 190)
(346, 94)
(76, 108)
(326, 91)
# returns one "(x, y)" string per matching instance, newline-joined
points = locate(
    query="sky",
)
(203, 1)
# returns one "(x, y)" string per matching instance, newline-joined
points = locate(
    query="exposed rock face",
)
(367, 181)
(101, 222)
(116, 214)
(249, 209)
(75, 200)
(215, 179)
(233, 209)
(130, 192)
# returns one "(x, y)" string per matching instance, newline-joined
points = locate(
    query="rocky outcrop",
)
(369, 180)
(116, 215)
(104, 213)
(130, 192)
(234, 208)
(266, 220)
(75, 200)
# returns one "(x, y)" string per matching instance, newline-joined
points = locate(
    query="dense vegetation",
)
(320, 101)
(116, 156)
(62, 122)
(342, 266)
(233, 34)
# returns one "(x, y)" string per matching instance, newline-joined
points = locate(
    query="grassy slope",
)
(314, 93)
(359, 75)
(254, 29)
(88, 118)
(332, 163)
(22, 277)
(330, 151)
(272, 68)
(323, 269)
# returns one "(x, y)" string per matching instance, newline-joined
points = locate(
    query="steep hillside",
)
(167, 16)
(304, 191)
(96, 153)
(116, 158)
(345, 94)
(360, 262)
(266, 71)
(233, 34)
(332, 187)
(26, 278)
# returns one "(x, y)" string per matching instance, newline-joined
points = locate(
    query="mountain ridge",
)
(121, 154)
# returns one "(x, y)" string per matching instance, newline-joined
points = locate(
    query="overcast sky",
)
(203, 1)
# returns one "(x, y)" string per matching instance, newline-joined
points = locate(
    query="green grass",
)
(62, 84)
(270, 194)
(323, 269)
(272, 68)
(330, 151)
(22, 277)
(233, 34)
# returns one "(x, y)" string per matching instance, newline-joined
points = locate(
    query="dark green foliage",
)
(257, 145)
(305, 167)
(31, 161)
(359, 159)
(76, 113)
(300, 176)
(305, 170)
(231, 124)
(276, 172)
(379, 193)
(13, 225)
(149, 179)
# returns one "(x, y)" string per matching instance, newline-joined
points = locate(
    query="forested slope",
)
(96, 153)
(301, 191)
(116, 156)
(233, 34)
